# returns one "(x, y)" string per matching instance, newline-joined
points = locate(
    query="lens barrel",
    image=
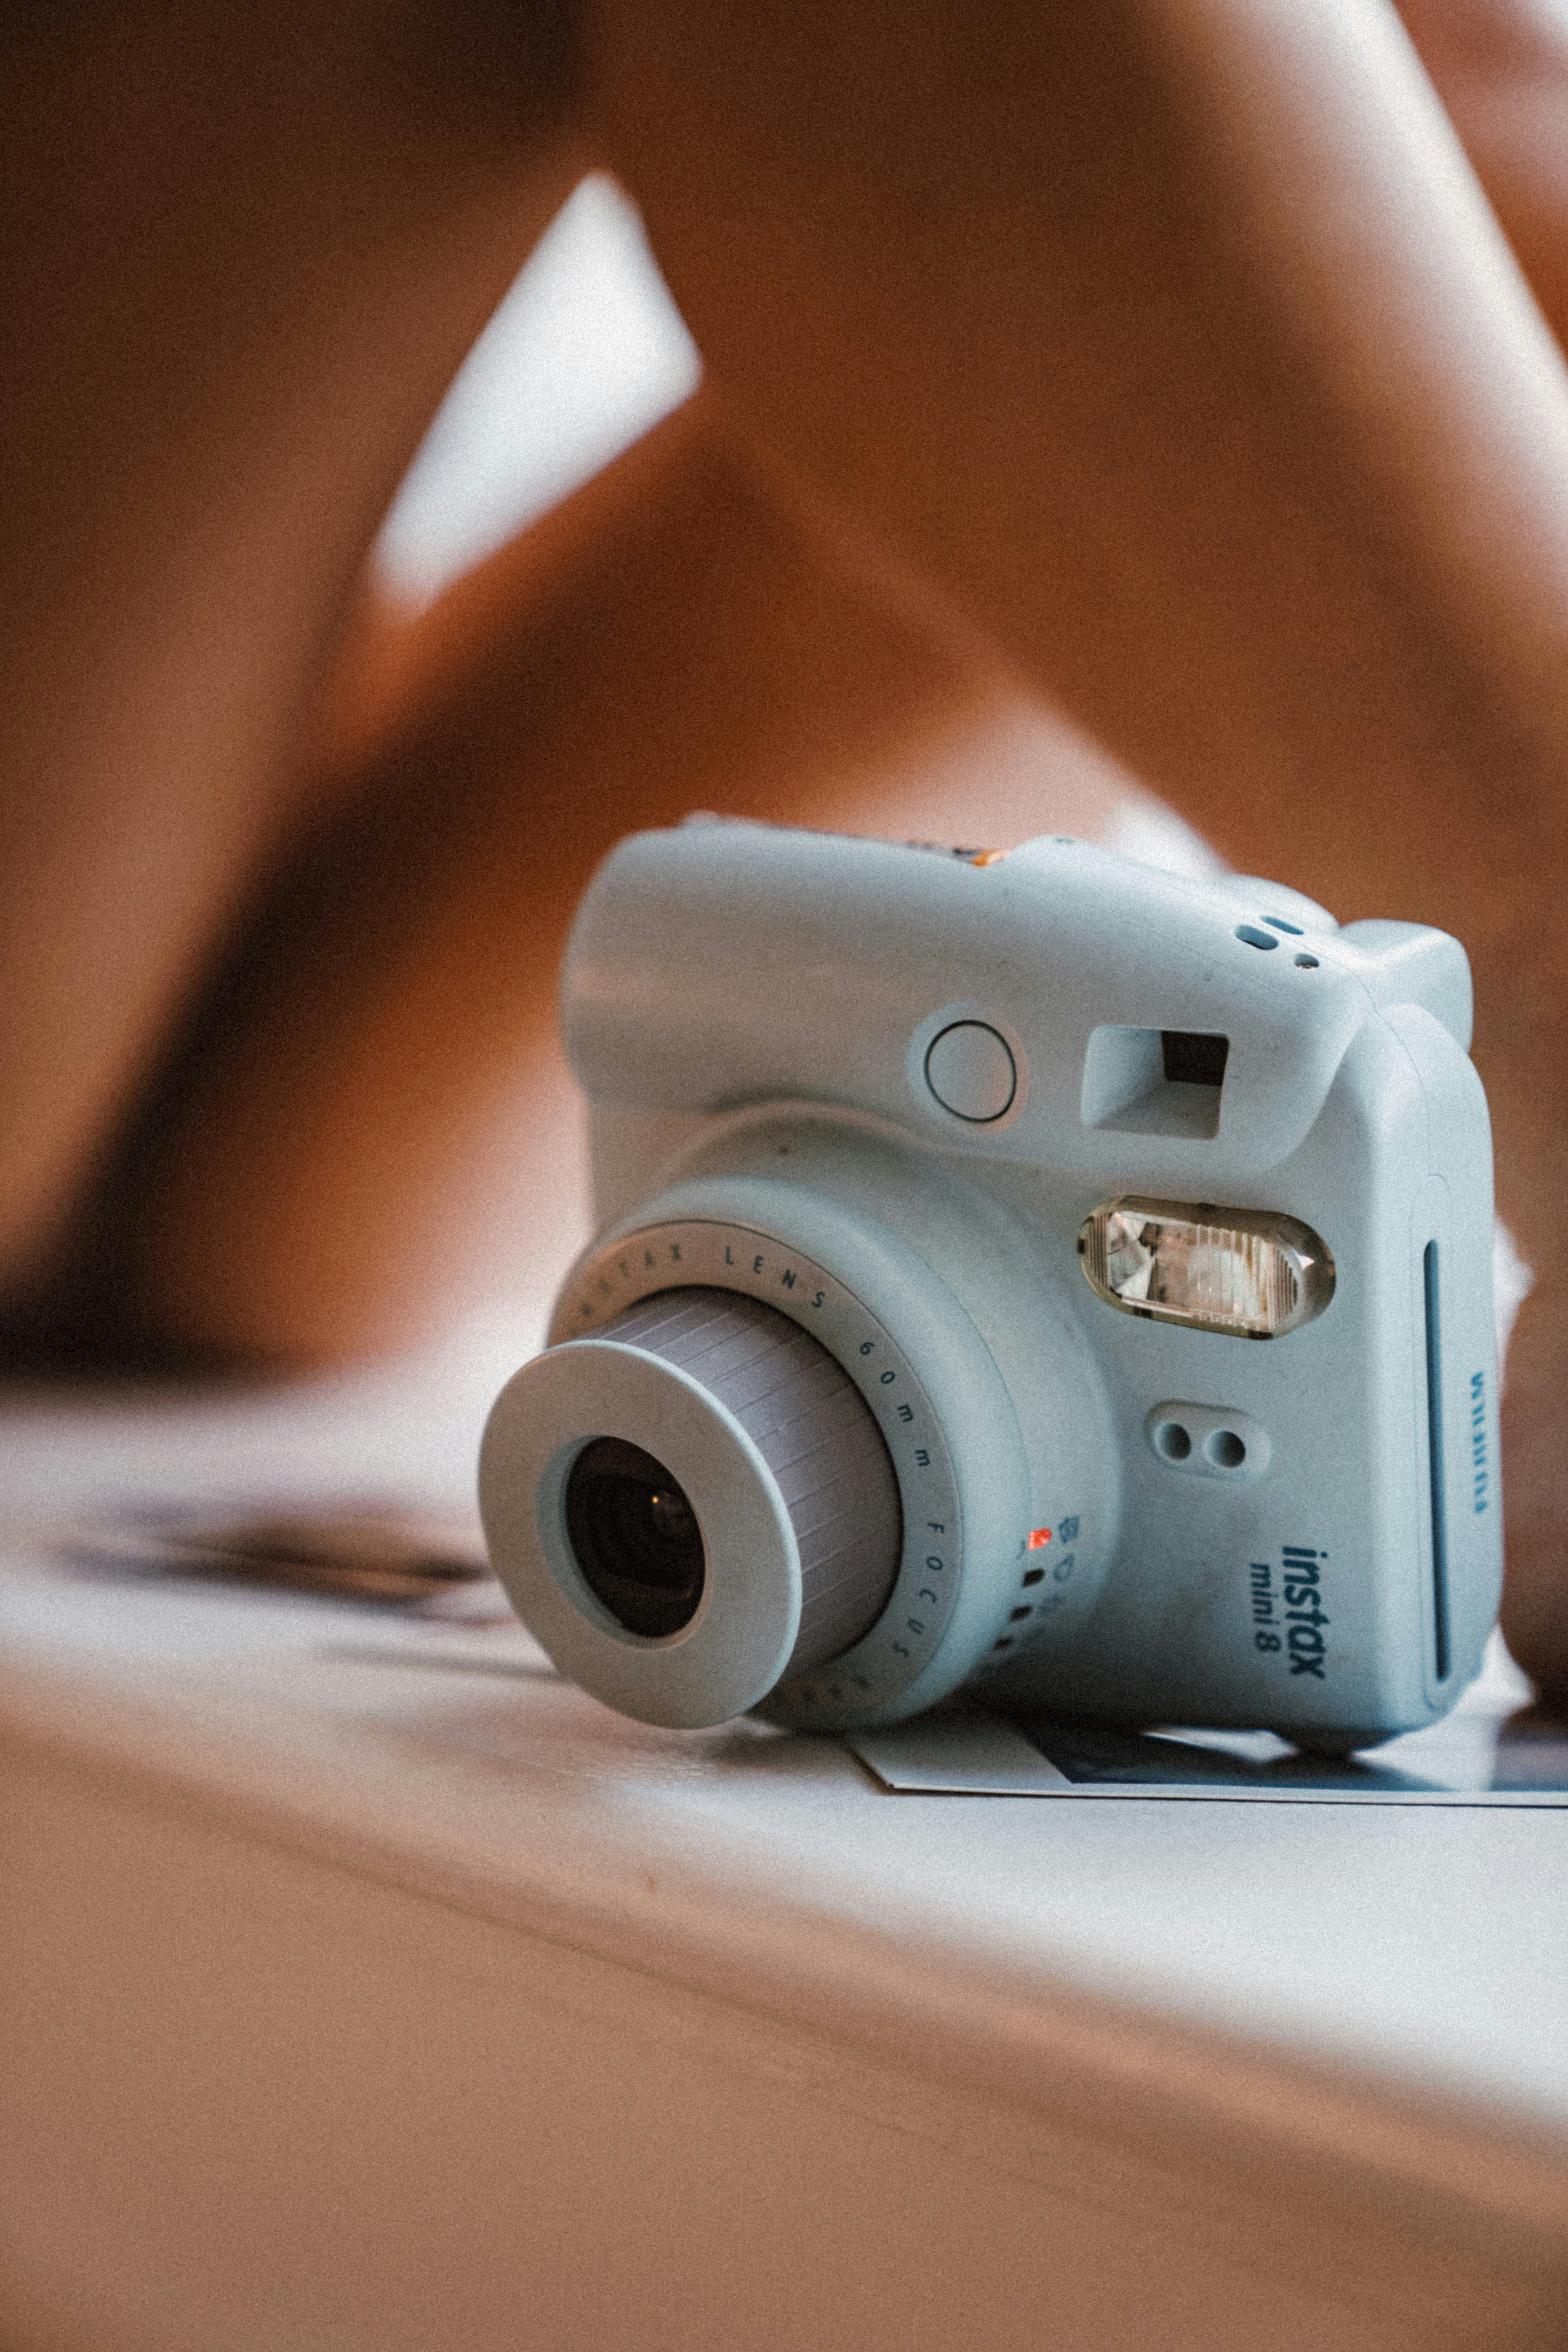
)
(689, 1504)
(635, 1540)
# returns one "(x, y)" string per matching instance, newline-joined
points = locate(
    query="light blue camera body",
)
(1141, 1228)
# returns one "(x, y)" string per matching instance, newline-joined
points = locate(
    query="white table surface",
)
(1383, 1989)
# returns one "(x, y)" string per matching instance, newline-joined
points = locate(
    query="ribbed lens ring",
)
(647, 1563)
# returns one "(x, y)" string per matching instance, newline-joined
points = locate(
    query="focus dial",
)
(811, 1428)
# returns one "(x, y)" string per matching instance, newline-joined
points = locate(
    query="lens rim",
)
(738, 1641)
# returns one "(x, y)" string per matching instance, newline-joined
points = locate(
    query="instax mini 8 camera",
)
(1036, 1273)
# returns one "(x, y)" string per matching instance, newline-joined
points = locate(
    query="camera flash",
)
(1249, 1272)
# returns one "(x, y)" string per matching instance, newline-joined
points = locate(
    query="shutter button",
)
(971, 1072)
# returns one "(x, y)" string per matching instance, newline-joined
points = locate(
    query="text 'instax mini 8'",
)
(947, 1197)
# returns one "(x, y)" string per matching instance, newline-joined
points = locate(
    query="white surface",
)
(368, 1985)
(972, 1757)
(1424, 1949)
(405, 1432)
(586, 354)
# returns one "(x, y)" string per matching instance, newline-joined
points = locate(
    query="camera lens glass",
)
(635, 1537)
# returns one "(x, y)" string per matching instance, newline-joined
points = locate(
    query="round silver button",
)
(971, 1072)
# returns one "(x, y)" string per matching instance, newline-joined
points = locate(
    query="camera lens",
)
(689, 1599)
(635, 1537)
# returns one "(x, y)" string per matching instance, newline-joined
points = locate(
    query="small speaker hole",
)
(1034, 1575)
(1225, 1450)
(1173, 1441)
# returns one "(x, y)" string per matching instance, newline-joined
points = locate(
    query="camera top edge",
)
(1058, 1001)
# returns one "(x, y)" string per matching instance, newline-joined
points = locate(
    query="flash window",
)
(1256, 1275)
